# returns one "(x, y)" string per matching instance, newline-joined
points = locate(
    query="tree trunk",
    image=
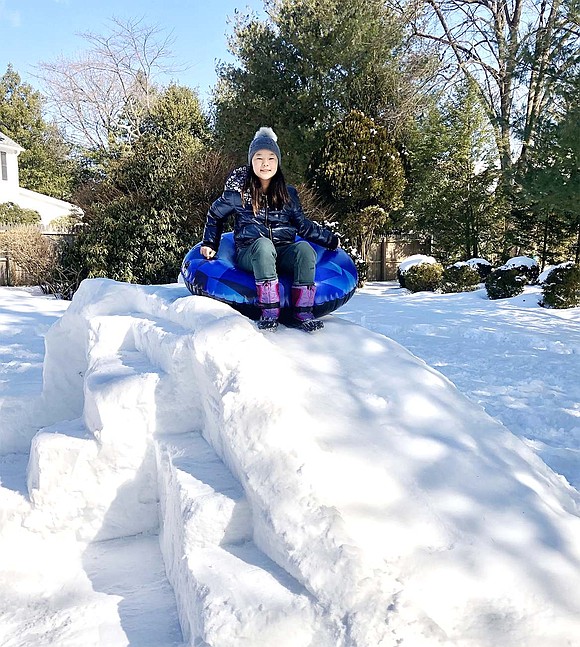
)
(544, 243)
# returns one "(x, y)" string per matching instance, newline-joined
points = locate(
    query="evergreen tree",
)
(451, 181)
(305, 68)
(549, 195)
(143, 219)
(45, 164)
(361, 175)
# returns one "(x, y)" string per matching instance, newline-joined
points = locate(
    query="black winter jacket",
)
(280, 225)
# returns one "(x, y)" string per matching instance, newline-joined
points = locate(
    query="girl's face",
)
(265, 165)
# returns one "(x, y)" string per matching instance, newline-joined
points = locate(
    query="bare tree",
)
(103, 94)
(514, 52)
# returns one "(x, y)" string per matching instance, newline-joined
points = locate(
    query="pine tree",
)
(452, 177)
(361, 175)
(549, 192)
(305, 68)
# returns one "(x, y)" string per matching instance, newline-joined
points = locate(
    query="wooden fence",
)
(386, 254)
(10, 273)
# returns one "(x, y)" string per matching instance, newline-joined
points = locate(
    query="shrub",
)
(504, 283)
(362, 267)
(12, 214)
(318, 214)
(562, 287)
(459, 278)
(525, 266)
(32, 253)
(482, 266)
(69, 268)
(423, 277)
(66, 224)
(407, 263)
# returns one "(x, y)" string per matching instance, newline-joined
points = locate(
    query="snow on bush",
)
(526, 266)
(406, 264)
(546, 271)
(482, 266)
(561, 288)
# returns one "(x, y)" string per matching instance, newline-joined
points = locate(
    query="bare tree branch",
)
(104, 94)
(514, 51)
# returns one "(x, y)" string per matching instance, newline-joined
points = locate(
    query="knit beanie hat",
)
(266, 139)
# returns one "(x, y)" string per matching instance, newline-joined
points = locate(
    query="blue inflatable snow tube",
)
(336, 280)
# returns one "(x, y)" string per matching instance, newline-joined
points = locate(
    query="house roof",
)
(6, 142)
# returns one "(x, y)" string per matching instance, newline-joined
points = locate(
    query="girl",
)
(267, 217)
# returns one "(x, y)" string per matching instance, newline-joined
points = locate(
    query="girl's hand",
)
(207, 252)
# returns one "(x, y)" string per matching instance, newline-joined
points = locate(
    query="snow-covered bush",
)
(526, 266)
(459, 277)
(504, 282)
(482, 266)
(407, 263)
(561, 288)
(423, 277)
(546, 272)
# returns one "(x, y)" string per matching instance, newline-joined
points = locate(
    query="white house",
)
(11, 191)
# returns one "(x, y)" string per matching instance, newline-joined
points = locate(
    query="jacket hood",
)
(237, 179)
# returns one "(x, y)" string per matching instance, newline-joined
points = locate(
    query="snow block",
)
(227, 591)
(77, 485)
(199, 496)
(119, 406)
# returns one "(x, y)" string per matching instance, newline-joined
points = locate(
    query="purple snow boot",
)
(269, 303)
(302, 303)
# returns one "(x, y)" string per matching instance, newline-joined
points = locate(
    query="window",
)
(4, 166)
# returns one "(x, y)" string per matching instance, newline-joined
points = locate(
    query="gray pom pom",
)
(265, 131)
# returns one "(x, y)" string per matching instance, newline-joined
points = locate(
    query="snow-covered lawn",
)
(519, 361)
(199, 483)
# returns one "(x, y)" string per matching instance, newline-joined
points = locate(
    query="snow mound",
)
(543, 277)
(519, 261)
(416, 259)
(328, 490)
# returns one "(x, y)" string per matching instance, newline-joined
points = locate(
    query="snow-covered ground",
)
(519, 361)
(196, 482)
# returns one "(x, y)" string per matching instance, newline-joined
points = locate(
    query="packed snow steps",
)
(92, 475)
(75, 487)
(165, 348)
(209, 504)
(124, 388)
(228, 592)
(120, 394)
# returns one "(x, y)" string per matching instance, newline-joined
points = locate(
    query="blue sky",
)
(32, 31)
